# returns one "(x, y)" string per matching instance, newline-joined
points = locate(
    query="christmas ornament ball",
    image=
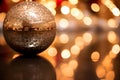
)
(29, 27)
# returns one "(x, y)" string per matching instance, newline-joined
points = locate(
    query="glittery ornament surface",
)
(29, 28)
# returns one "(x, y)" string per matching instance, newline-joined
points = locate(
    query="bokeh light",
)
(52, 51)
(116, 49)
(95, 56)
(65, 54)
(112, 37)
(87, 20)
(77, 13)
(64, 23)
(64, 38)
(65, 10)
(95, 7)
(75, 50)
(73, 2)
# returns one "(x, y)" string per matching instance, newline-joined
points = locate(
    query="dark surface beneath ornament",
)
(29, 27)
(31, 68)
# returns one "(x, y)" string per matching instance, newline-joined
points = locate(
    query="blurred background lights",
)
(67, 71)
(73, 2)
(112, 23)
(64, 38)
(116, 11)
(113, 8)
(100, 71)
(87, 20)
(95, 56)
(116, 49)
(95, 7)
(73, 64)
(63, 23)
(15, 1)
(110, 75)
(75, 50)
(79, 42)
(112, 37)
(65, 10)
(87, 37)
(65, 54)
(77, 13)
(52, 51)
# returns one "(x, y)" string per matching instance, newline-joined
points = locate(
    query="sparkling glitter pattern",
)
(29, 27)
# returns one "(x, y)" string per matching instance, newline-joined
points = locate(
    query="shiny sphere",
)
(31, 68)
(29, 27)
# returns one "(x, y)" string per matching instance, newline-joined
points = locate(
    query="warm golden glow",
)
(51, 5)
(116, 11)
(113, 8)
(87, 20)
(73, 64)
(64, 38)
(67, 71)
(52, 51)
(65, 10)
(74, 2)
(110, 75)
(15, 1)
(87, 37)
(95, 56)
(77, 13)
(63, 23)
(75, 50)
(107, 63)
(2, 16)
(112, 55)
(79, 42)
(100, 71)
(95, 7)
(112, 23)
(116, 49)
(65, 54)
(15, 56)
(112, 37)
